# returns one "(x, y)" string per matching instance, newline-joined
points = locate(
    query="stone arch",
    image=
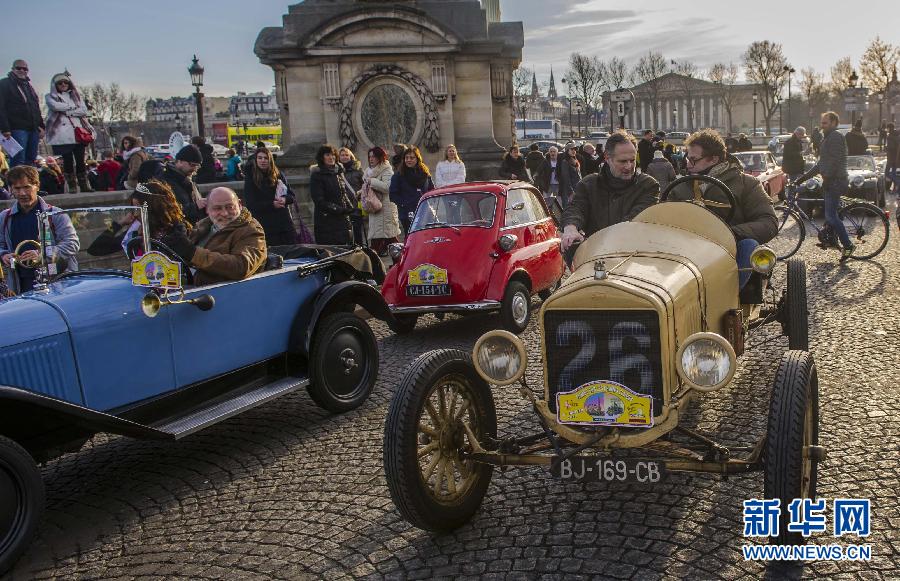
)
(365, 18)
(431, 133)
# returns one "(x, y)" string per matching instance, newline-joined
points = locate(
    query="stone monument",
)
(361, 73)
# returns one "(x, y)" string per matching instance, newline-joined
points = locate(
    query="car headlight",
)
(500, 357)
(811, 184)
(762, 260)
(395, 250)
(706, 361)
(857, 181)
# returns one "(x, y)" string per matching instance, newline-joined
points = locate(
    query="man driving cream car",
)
(229, 244)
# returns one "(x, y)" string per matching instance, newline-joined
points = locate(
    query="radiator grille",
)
(42, 366)
(621, 346)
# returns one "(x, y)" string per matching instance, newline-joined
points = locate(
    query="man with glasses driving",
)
(20, 113)
(754, 220)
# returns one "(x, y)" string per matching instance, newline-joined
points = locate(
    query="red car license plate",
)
(427, 290)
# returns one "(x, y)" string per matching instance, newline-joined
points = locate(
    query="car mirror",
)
(517, 207)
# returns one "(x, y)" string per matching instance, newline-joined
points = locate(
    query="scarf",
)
(715, 171)
(415, 177)
(130, 152)
(614, 183)
(24, 86)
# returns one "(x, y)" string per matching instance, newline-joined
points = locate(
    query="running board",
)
(222, 410)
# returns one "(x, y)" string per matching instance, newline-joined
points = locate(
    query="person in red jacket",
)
(108, 172)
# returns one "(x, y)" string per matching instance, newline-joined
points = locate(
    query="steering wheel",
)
(27, 262)
(699, 198)
(137, 243)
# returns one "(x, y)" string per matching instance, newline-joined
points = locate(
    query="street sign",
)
(620, 96)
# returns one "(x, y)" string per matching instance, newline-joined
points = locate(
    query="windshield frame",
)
(867, 158)
(742, 156)
(455, 226)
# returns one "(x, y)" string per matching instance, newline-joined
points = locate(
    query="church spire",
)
(551, 92)
(534, 87)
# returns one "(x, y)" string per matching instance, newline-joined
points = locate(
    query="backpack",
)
(152, 169)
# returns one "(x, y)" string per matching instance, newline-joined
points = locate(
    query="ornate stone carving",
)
(431, 135)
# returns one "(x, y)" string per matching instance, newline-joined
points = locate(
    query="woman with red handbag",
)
(68, 130)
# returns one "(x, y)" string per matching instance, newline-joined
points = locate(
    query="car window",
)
(860, 162)
(537, 209)
(518, 208)
(461, 209)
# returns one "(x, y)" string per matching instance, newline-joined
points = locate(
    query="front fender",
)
(334, 298)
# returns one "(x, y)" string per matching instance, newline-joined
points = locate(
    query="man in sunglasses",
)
(20, 113)
(754, 220)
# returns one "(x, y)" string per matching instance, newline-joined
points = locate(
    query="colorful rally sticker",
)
(427, 274)
(604, 403)
(156, 270)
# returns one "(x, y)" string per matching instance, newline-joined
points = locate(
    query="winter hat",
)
(570, 145)
(189, 153)
(60, 77)
(658, 154)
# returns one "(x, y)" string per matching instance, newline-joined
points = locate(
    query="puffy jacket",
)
(65, 114)
(662, 171)
(19, 109)
(601, 200)
(333, 205)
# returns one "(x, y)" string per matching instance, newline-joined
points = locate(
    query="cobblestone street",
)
(286, 491)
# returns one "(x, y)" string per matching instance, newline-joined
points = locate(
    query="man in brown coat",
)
(227, 245)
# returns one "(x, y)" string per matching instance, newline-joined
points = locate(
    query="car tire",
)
(343, 363)
(416, 415)
(795, 315)
(515, 310)
(21, 501)
(545, 294)
(403, 324)
(790, 468)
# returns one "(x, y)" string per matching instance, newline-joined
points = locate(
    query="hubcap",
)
(348, 357)
(346, 366)
(519, 308)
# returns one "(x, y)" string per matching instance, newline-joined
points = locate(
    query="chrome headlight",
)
(811, 184)
(500, 357)
(762, 260)
(706, 361)
(395, 250)
(857, 181)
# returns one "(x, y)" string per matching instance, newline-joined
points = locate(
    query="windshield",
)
(100, 233)
(463, 209)
(860, 162)
(753, 161)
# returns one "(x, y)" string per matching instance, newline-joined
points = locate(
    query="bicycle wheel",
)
(791, 233)
(868, 228)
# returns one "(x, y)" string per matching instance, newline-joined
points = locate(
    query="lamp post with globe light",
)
(196, 72)
(755, 99)
(790, 71)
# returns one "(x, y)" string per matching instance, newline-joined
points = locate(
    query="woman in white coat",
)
(450, 170)
(67, 111)
(384, 224)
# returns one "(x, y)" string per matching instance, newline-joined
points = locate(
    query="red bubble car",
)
(475, 247)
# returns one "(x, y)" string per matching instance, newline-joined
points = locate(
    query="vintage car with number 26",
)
(133, 347)
(475, 247)
(651, 317)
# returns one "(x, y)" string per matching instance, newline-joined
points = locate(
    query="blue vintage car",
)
(87, 351)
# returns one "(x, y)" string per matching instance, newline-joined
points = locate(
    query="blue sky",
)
(146, 46)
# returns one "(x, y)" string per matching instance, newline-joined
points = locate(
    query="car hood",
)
(24, 319)
(866, 173)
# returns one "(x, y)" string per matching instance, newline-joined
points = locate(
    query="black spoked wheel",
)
(343, 363)
(868, 228)
(545, 294)
(516, 307)
(403, 324)
(440, 407)
(790, 460)
(794, 308)
(21, 501)
(791, 233)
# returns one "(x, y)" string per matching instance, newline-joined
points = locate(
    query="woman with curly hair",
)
(269, 198)
(333, 200)
(408, 185)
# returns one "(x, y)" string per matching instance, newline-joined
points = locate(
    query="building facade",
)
(361, 73)
(181, 112)
(254, 109)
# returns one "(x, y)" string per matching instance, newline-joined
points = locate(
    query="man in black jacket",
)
(857, 144)
(534, 160)
(616, 194)
(644, 150)
(20, 113)
(892, 147)
(793, 163)
(178, 175)
(207, 172)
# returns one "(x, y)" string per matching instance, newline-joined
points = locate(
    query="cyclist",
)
(832, 166)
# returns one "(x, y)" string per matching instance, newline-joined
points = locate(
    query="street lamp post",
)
(196, 72)
(755, 99)
(572, 89)
(780, 115)
(674, 119)
(790, 71)
(852, 80)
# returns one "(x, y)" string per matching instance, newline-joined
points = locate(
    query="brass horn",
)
(151, 304)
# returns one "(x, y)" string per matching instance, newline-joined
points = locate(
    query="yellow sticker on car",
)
(604, 403)
(156, 270)
(427, 274)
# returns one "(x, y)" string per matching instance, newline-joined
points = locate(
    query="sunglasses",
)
(62, 82)
(20, 68)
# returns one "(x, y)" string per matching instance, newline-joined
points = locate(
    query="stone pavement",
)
(288, 492)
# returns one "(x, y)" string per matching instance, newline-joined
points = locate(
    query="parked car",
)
(762, 165)
(650, 318)
(677, 137)
(475, 247)
(599, 138)
(544, 145)
(88, 351)
(776, 146)
(273, 147)
(865, 182)
(159, 151)
(219, 150)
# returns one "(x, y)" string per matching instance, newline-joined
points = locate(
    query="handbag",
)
(371, 203)
(82, 135)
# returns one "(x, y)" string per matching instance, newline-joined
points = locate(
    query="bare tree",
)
(522, 90)
(616, 73)
(725, 76)
(649, 70)
(840, 77)
(764, 64)
(877, 64)
(688, 71)
(586, 75)
(814, 90)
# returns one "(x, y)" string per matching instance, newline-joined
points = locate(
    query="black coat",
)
(792, 162)
(544, 173)
(590, 165)
(260, 200)
(333, 205)
(533, 162)
(744, 144)
(49, 183)
(513, 166)
(207, 172)
(645, 153)
(601, 201)
(17, 113)
(857, 144)
(183, 189)
(570, 175)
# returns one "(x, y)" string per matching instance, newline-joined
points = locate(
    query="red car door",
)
(537, 246)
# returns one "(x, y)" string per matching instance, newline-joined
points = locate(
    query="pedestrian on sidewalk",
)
(409, 184)
(450, 170)
(513, 165)
(68, 129)
(134, 155)
(661, 169)
(269, 199)
(331, 198)
(857, 144)
(20, 113)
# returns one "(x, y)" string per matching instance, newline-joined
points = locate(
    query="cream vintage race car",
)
(650, 317)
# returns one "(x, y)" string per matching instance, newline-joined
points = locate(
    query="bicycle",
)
(867, 225)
